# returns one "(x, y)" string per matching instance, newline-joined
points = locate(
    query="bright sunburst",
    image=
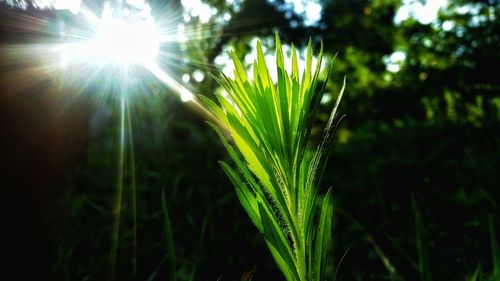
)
(121, 36)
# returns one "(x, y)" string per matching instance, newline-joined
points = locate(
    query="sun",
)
(127, 41)
(124, 38)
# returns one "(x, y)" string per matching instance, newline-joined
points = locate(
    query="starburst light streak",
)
(122, 40)
(184, 94)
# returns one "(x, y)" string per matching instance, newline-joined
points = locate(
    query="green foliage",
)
(270, 124)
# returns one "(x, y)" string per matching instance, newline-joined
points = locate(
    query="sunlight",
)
(72, 5)
(203, 11)
(394, 61)
(122, 37)
(126, 41)
(424, 12)
(184, 94)
(120, 34)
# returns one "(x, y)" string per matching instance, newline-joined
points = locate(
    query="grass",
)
(279, 174)
(423, 256)
(169, 241)
(117, 208)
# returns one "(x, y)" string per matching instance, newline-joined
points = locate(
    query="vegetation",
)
(270, 123)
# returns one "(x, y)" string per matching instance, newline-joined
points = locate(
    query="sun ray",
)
(117, 210)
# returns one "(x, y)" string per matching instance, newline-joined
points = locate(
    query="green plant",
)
(423, 264)
(495, 251)
(270, 124)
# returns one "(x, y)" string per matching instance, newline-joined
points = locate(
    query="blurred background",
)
(415, 168)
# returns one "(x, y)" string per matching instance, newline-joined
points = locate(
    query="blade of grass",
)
(495, 250)
(423, 257)
(158, 267)
(476, 276)
(169, 240)
(200, 242)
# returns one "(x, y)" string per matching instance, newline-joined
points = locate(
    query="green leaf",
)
(247, 198)
(323, 239)
(277, 241)
(214, 108)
